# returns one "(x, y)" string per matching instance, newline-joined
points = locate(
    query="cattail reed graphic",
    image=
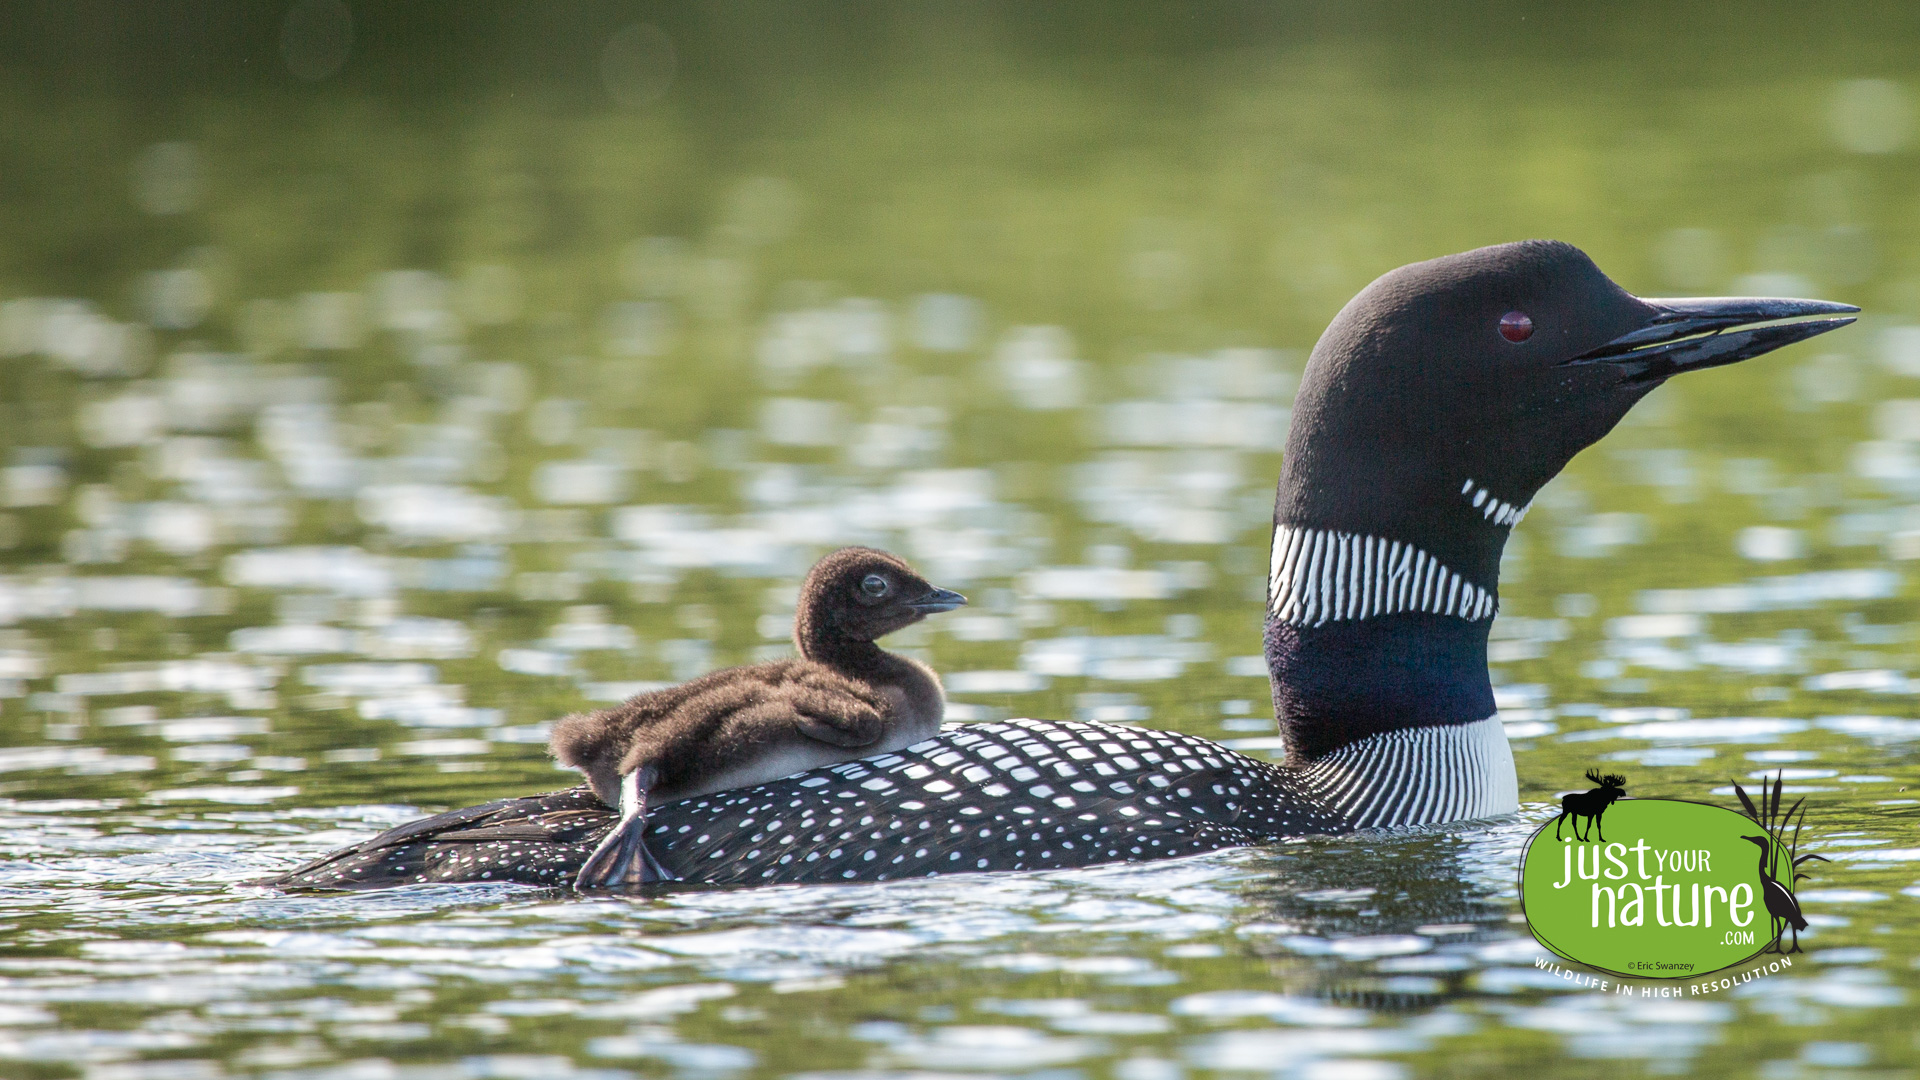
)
(1773, 841)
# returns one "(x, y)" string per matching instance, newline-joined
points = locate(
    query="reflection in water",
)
(361, 420)
(1385, 884)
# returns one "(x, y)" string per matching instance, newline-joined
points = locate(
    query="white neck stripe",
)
(1495, 510)
(1419, 776)
(1319, 576)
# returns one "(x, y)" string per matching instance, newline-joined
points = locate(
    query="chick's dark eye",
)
(874, 585)
(1516, 327)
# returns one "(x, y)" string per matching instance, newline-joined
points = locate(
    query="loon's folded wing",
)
(539, 839)
(560, 826)
(437, 824)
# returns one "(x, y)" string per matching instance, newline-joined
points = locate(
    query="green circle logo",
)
(1661, 889)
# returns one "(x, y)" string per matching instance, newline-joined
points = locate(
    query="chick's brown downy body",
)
(843, 698)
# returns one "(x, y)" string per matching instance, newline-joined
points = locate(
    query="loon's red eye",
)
(1516, 327)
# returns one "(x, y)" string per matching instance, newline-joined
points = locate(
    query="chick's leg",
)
(622, 859)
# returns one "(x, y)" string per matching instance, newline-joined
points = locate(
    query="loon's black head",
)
(1433, 408)
(861, 594)
(1445, 394)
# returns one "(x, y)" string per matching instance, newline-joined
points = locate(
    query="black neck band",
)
(1340, 682)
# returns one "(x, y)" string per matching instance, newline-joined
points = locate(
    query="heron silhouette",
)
(1781, 905)
(1778, 897)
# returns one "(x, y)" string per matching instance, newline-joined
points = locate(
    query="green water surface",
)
(375, 392)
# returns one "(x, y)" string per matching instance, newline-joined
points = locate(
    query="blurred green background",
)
(383, 381)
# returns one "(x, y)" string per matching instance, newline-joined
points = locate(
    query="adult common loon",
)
(843, 698)
(1439, 400)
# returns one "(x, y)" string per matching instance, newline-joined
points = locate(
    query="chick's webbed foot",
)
(622, 859)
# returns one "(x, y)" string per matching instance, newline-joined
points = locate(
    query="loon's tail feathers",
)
(622, 859)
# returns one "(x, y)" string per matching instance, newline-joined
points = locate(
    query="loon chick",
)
(843, 698)
(1439, 400)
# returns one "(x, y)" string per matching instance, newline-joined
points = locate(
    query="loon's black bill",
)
(1691, 334)
(937, 601)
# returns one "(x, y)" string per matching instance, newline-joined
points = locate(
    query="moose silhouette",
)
(1591, 804)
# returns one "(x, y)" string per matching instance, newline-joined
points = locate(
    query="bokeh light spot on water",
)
(1039, 368)
(177, 299)
(1871, 116)
(330, 320)
(1770, 543)
(167, 178)
(637, 65)
(945, 322)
